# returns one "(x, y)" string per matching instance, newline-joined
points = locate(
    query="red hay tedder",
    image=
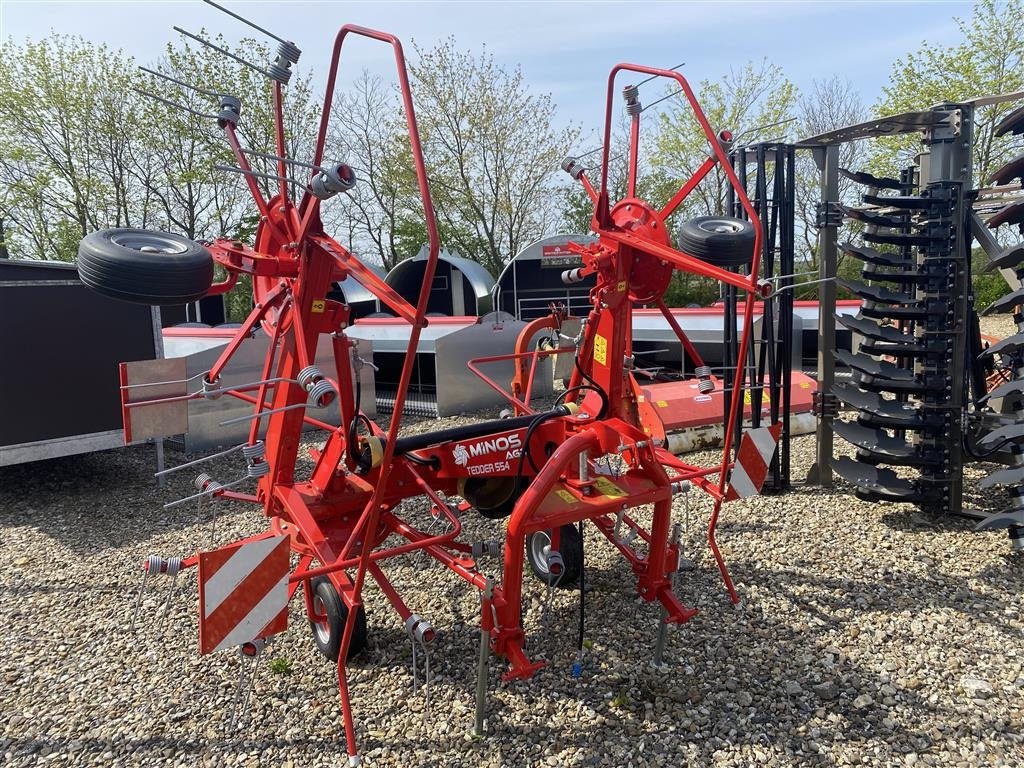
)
(542, 470)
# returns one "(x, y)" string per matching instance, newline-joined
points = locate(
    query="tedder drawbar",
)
(545, 471)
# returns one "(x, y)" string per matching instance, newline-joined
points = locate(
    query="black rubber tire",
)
(144, 266)
(495, 502)
(327, 636)
(570, 547)
(720, 240)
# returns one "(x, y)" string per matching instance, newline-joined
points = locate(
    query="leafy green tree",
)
(753, 102)
(68, 113)
(988, 60)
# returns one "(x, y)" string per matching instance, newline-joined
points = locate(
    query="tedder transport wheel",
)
(327, 634)
(492, 497)
(144, 266)
(719, 240)
(538, 549)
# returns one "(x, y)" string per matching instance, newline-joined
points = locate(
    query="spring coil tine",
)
(207, 484)
(257, 469)
(322, 393)
(288, 51)
(308, 376)
(209, 491)
(240, 706)
(257, 450)
(262, 414)
(210, 389)
(163, 383)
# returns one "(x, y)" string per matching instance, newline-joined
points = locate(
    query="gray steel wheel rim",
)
(540, 547)
(719, 226)
(149, 242)
(322, 628)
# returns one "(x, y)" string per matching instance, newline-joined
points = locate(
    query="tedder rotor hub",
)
(649, 276)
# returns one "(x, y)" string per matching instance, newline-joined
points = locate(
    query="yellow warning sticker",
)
(621, 287)
(663, 403)
(805, 385)
(600, 350)
(319, 305)
(746, 398)
(565, 496)
(608, 488)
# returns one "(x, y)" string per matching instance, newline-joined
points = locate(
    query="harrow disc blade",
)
(876, 292)
(873, 330)
(873, 256)
(1008, 259)
(872, 367)
(999, 521)
(893, 313)
(871, 216)
(1012, 170)
(876, 483)
(887, 413)
(1006, 389)
(870, 180)
(1007, 346)
(1008, 476)
(1009, 301)
(1011, 214)
(1012, 123)
(1009, 433)
(881, 349)
(886, 448)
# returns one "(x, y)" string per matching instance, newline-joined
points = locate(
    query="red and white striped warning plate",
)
(752, 460)
(243, 593)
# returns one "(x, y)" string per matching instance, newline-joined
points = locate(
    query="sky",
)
(564, 48)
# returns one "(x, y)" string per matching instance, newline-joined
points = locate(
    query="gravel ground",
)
(869, 635)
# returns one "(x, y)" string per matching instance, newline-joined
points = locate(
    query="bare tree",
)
(826, 106)
(492, 152)
(380, 210)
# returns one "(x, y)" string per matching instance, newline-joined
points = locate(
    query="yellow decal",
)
(663, 403)
(600, 350)
(805, 385)
(746, 398)
(319, 305)
(565, 496)
(608, 488)
(621, 287)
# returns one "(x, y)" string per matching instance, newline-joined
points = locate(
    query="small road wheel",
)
(720, 240)
(328, 624)
(570, 548)
(144, 266)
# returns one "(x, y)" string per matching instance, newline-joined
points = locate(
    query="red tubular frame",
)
(339, 518)
(602, 219)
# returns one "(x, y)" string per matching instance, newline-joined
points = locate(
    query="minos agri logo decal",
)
(494, 453)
